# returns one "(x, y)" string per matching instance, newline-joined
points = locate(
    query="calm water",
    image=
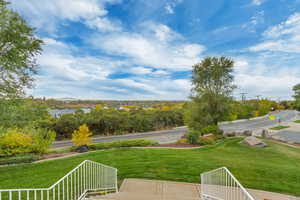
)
(59, 112)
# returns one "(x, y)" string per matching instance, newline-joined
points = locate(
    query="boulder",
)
(265, 133)
(82, 149)
(207, 135)
(253, 142)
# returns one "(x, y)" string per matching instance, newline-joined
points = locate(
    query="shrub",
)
(81, 137)
(23, 158)
(182, 141)
(42, 139)
(207, 140)
(123, 143)
(213, 129)
(193, 136)
(15, 142)
(29, 140)
(233, 134)
(255, 113)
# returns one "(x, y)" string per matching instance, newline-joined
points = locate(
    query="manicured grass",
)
(297, 121)
(275, 168)
(279, 127)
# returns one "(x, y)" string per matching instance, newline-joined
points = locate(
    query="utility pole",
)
(243, 96)
(257, 101)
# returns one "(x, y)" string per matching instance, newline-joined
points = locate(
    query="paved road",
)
(165, 136)
(168, 136)
(260, 123)
(291, 134)
(288, 136)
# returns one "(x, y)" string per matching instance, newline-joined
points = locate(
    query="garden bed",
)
(178, 145)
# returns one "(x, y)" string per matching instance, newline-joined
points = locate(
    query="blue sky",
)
(145, 49)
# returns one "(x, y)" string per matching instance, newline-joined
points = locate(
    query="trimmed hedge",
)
(122, 143)
(26, 158)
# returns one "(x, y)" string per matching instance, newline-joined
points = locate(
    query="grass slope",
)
(276, 168)
(279, 127)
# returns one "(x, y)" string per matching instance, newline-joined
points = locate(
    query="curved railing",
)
(220, 184)
(87, 177)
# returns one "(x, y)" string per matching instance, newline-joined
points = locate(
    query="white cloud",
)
(259, 77)
(163, 32)
(57, 60)
(170, 6)
(46, 14)
(290, 27)
(62, 74)
(258, 18)
(141, 70)
(104, 24)
(284, 37)
(150, 50)
(257, 2)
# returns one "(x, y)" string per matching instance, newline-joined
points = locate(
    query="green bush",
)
(28, 140)
(207, 140)
(193, 136)
(42, 139)
(122, 143)
(24, 158)
(213, 129)
(22, 112)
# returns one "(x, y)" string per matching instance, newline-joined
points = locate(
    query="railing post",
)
(116, 182)
(221, 184)
(86, 177)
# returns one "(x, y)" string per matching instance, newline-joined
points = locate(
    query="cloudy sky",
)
(145, 49)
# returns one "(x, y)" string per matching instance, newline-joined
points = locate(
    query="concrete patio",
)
(139, 189)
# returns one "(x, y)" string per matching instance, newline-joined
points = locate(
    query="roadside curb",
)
(242, 120)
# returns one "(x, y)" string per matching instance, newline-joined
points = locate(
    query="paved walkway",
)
(291, 134)
(140, 189)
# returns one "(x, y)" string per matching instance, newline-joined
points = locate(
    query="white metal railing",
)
(220, 184)
(87, 177)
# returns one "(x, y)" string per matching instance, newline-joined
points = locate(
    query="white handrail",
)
(220, 184)
(89, 176)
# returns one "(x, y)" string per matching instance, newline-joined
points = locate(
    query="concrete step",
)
(140, 196)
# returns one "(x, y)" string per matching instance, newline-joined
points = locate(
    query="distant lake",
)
(59, 112)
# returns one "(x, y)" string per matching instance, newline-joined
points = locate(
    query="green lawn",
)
(279, 127)
(275, 168)
(297, 121)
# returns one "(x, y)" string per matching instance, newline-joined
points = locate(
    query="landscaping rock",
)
(265, 133)
(254, 142)
(207, 135)
(247, 133)
(82, 149)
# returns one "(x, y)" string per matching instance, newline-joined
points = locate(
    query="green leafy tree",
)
(22, 112)
(296, 90)
(212, 81)
(18, 50)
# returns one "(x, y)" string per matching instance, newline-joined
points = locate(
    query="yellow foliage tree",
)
(98, 107)
(81, 137)
(256, 113)
(166, 107)
(15, 142)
